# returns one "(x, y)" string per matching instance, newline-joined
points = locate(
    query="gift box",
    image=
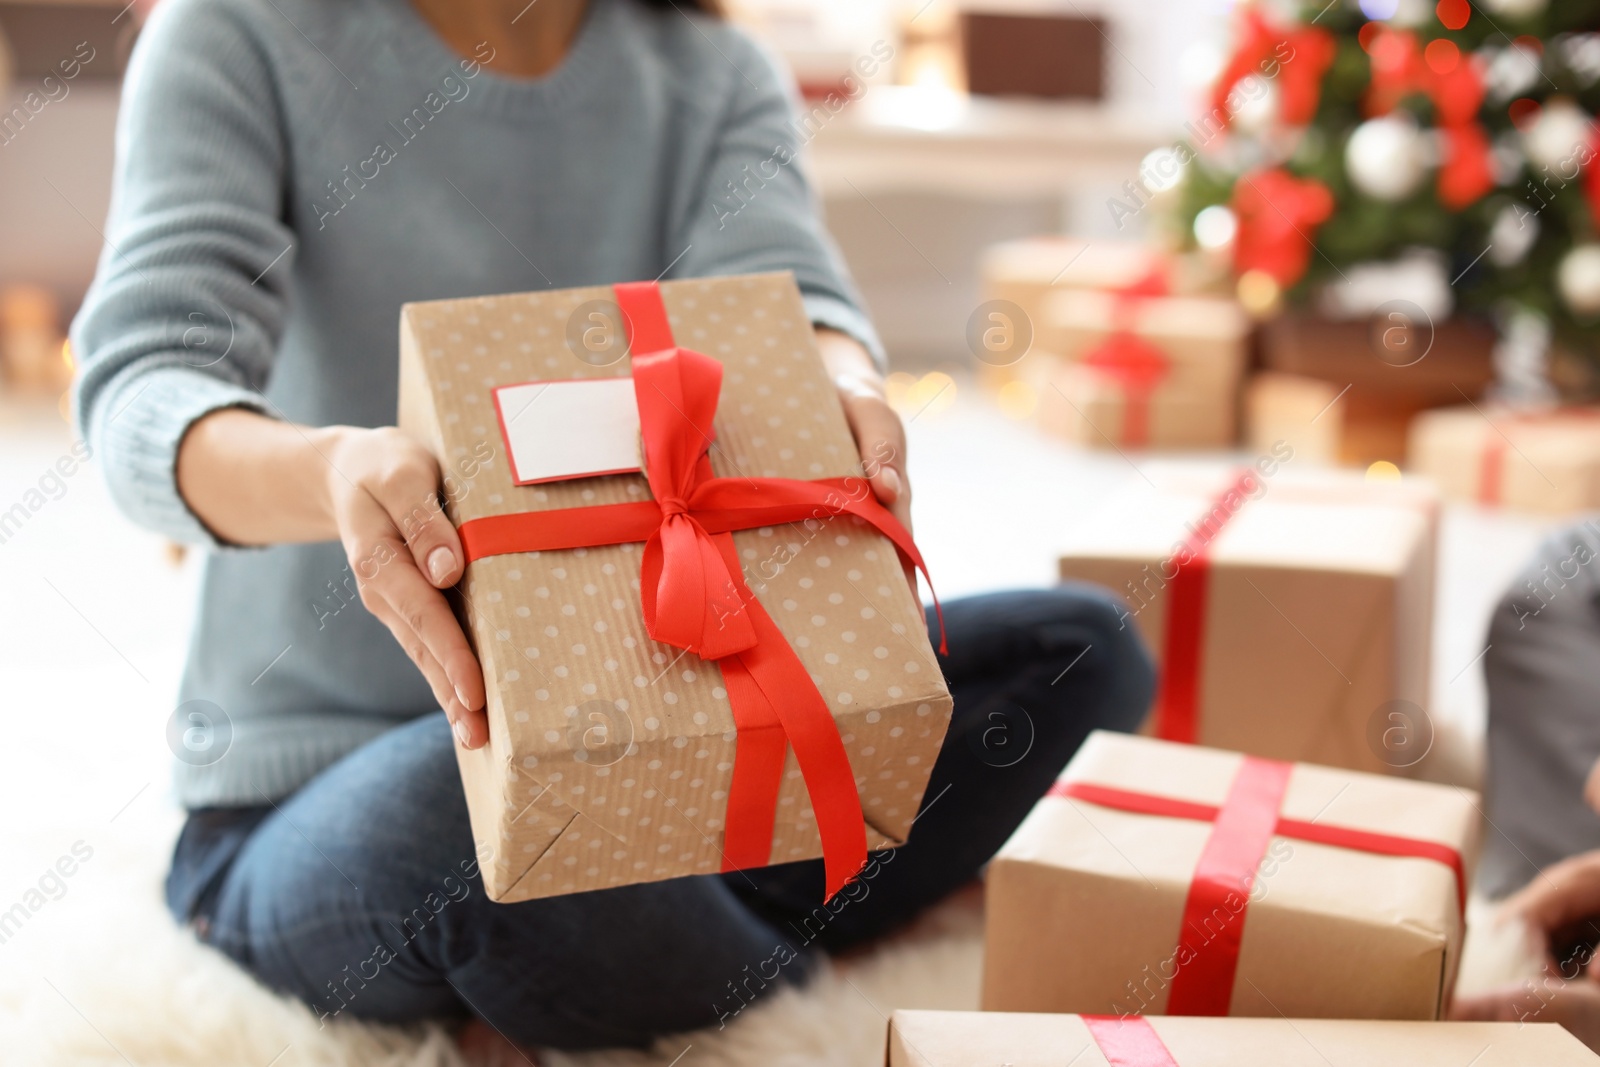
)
(1290, 612)
(965, 1038)
(1130, 406)
(1165, 879)
(1327, 422)
(1143, 369)
(1427, 364)
(1545, 460)
(700, 649)
(1024, 273)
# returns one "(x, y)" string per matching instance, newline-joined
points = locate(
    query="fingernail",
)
(462, 696)
(461, 732)
(891, 482)
(440, 562)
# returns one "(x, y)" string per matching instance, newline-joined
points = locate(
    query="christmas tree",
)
(1343, 136)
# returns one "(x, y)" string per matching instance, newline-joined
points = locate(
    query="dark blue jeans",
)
(359, 893)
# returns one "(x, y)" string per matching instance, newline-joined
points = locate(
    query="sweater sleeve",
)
(188, 302)
(758, 211)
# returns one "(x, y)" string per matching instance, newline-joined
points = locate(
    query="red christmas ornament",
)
(1465, 175)
(1400, 68)
(1278, 217)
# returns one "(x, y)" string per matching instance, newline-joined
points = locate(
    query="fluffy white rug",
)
(117, 983)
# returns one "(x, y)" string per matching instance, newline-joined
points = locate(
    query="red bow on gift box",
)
(693, 592)
(1135, 364)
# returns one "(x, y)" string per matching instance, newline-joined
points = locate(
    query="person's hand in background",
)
(254, 480)
(1561, 911)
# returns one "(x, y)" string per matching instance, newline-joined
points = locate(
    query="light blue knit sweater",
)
(289, 172)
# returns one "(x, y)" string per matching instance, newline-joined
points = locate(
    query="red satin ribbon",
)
(1128, 1041)
(693, 593)
(1178, 695)
(1242, 828)
(1135, 364)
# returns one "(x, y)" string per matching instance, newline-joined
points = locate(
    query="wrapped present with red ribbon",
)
(1290, 611)
(1164, 879)
(1141, 368)
(965, 1038)
(1018, 278)
(1544, 460)
(700, 648)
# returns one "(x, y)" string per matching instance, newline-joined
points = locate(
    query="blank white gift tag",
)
(580, 428)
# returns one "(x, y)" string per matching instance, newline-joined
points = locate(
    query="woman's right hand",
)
(383, 494)
(255, 480)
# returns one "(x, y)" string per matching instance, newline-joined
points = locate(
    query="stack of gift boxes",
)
(1252, 881)
(702, 654)
(1126, 353)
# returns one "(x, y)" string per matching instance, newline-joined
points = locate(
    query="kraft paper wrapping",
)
(1027, 271)
(1319, 603)
(1091, 408)
(964, 1039)
(610, 755)
(1085, 903)
(1546, 462)
(1203, 337)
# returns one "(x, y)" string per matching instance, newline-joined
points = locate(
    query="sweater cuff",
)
(138, 427)
(846, 318)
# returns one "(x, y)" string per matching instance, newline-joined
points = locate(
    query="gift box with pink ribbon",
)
(1165, 879)
(1141, 368)
(1289, 611)
(699, 646)
(964, 1038)
(1545, 460)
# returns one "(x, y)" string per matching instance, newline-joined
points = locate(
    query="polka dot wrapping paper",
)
(610, 754)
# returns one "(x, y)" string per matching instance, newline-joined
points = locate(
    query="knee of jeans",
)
(1120, 650)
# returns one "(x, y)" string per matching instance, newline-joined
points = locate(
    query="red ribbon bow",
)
(1135, 364)
(1242, 828)
(693, 593)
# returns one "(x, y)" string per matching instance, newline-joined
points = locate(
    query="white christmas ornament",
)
(1215, 227)
(1254, 103)
(1515, 9)
(1559, 138)
(1515, 230)
(1384, 158)
(1578, 278)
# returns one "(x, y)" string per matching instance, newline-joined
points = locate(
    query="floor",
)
(93, 641)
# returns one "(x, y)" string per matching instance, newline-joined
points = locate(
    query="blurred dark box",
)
(45, 35)
(1051, 56)
(1409, 367)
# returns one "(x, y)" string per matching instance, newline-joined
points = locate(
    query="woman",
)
(291, 171)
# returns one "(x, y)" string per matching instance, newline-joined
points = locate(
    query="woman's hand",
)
(254, 480)
(1561, 909)
(880, 437)
(383, 492)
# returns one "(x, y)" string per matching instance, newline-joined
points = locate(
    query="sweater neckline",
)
(589, 61)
